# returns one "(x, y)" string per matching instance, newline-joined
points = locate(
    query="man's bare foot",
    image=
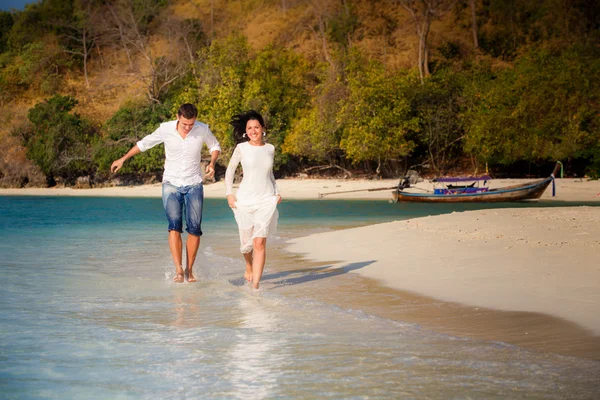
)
(179, 275)
(190, 277)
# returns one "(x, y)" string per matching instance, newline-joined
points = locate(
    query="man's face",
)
(185, 125)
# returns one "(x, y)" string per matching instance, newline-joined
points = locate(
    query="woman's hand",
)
(231, 200)
(278, 198)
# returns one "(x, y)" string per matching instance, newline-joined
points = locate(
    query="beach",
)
(570, 189)
(525, 276)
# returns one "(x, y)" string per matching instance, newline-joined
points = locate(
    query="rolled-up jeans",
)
(176, 200)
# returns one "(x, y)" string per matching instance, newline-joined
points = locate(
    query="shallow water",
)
(88, 310)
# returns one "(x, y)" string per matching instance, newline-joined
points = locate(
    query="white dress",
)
(256, 207)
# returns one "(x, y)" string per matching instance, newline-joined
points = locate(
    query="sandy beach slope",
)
(542, 260)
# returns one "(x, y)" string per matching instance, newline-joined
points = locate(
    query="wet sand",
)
(532, 331)
(528, 277)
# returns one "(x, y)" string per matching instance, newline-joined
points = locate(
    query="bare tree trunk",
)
(324, 40)
(320, 12)
(86, 54)
(100, 56)
(212, 20)
(82, 33)
(423, 12)
(474, 24)
(420, 14)
(121, 33)
(425, 44)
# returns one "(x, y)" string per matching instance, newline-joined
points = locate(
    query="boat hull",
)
(527, 191)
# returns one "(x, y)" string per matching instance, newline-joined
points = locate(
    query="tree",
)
(217, 91)
(59, 141)
(545, 108)
(474, 24)
(277, 86)
(129, 124)
(423, 12)
(437, 105)
(315, 133)
(376, 115)
(81, 33)
(6, 24)
(131, 22)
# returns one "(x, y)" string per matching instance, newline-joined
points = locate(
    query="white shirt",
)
(182, 156)
(258, 182)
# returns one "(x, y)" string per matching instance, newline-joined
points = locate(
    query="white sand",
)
(530, 259)
(566, 189)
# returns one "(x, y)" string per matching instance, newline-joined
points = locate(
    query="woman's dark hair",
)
(239, 122)
(187, 111)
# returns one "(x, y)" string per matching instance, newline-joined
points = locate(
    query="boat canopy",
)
(463, 178)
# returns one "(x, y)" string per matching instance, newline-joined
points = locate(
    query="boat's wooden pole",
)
(321, 195)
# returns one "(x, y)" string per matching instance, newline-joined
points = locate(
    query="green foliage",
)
(508, 23)
(533, 99)
(217, 92)
(39, 65)
(6, 23)
(39, 20)
(316, 132)
(376, 116)
(121, 132)
(229, 81)
(436, 105)
(341, 26)
(277, 86)
(57, 140)
(543, 109)
(28, 27)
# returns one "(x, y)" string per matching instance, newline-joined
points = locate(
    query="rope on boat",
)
(553, 178)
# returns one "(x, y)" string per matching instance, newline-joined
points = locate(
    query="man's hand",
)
(210, 171)
(116, 165)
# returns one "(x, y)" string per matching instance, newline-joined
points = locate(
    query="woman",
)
(255, 203)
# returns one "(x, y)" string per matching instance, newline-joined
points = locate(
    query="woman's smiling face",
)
(254, 130)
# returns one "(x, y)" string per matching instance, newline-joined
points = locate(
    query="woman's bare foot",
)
(255, 285)
(248, 273)
(190, 277)
(179, 275)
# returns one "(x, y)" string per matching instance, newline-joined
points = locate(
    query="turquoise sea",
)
(88, 310)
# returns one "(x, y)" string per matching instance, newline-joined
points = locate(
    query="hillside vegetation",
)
(348, 87)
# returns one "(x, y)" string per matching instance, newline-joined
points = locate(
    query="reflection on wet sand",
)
(254, 358)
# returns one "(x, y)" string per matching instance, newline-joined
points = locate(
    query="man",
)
(182, 189)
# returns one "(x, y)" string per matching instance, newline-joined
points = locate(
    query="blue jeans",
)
(176, 200)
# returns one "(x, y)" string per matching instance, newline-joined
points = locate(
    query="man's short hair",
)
(187, 111)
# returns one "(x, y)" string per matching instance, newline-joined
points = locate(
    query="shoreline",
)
(527, 330)
(569, 189)
(495, 274)
(522, 276)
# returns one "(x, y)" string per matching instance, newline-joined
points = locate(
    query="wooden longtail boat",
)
(476, 194)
